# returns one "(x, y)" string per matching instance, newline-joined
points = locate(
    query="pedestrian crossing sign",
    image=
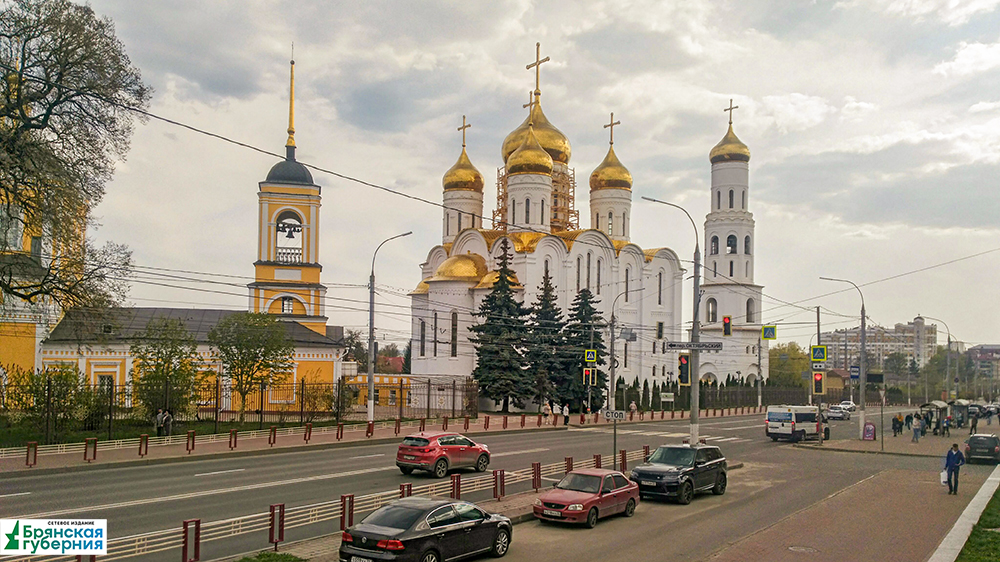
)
(818, 353)
(768, 332)
(590, 355)
(589, 377)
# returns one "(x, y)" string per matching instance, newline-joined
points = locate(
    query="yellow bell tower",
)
(287, 269)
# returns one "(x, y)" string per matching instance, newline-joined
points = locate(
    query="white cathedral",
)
(536, 214)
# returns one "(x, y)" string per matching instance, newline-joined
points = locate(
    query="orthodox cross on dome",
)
(291, 102)
(730, 110)
(612, 126)
(463, 128)
(537, 65)
(532, 101)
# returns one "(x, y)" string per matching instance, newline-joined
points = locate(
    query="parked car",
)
(418, 529)
(584, 496)
(438, 452)
(681, 471)
(983, 446)
(849, 405)
(795, 423)
(838, 412)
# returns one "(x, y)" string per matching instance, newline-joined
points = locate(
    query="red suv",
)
(438, 451)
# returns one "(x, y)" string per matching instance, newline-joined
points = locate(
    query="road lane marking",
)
(712, 437)
(190, 495)
(221, 472)
(15, 495)
(673, 435)
(729, 439)
(511, 453)
(755, 426)
(368, 456)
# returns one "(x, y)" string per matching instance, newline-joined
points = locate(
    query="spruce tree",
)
(644, 404)
(500, 363)
(656, 403)
(584, 330)
(546, 341)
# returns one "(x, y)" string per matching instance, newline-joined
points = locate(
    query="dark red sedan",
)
(584, 496)
(439, 451)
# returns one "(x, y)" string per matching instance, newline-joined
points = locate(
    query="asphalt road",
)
(150, 498)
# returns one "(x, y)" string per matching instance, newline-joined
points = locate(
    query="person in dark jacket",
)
(952, 462)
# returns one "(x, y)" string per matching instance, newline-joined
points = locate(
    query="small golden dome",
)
(730, 148)
(492, 277)
(422, 288)
(610, 174)
(529, 158)
(464, 267)
(463, 175)
(549, 137)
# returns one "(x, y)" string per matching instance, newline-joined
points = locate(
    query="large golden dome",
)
(530, 157)
(549, 137)
(492, 277)
(730, 148)
(463, 267)
(463, 175)
(610, 174)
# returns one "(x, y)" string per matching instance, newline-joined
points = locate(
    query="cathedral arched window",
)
(527, 211)
(578, 274)
(731, 244)
(513, 212)
(423, 338)
(718, 199)
(435, 334)
(588, 271)
(611, 223)
(715, 269)
(715, 245)
(746, 245)
(711, 311)
(546, 268)
(730, 268)
(744, 199)
(447, 224)
(750, 311)
(730, 198)
(624, 224)
(747, 269)
(288, 238)
(597, 221)
(541, 213)
(287, 305)
(626, 284)
(598, 276)
(659, 288)
(454, 334)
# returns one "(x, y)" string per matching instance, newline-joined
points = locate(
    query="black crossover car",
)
(426, 530)
(681, 471)
(983, 446)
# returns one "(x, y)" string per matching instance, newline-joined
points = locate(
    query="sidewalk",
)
(929, 445)
(129, 456)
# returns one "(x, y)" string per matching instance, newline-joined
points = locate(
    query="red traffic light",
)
(683, 360)
(818, 376)
(726, 319)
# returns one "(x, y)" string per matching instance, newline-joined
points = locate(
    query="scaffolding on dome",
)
(564, 216)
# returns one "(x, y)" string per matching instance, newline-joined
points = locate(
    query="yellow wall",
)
(17, 345)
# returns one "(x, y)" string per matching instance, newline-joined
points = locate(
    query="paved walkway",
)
(929, 445)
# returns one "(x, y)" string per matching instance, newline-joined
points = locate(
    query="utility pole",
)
(371, 331)
(760, 382)
(592, 365)
(863, 380)
(694, 377)
(819, 406)
(612, 384)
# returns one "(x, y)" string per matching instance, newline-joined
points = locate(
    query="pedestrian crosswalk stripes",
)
(664, 434)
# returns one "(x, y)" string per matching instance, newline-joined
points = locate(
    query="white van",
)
(794, 423)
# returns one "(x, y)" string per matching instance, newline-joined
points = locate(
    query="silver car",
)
(837, 412)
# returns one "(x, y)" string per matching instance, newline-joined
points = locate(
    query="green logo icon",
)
(12, 542)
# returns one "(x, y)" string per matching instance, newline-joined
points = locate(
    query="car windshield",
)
(981, 441)
(677, 456)
(415, 442)
(580, 483)
(394, 516)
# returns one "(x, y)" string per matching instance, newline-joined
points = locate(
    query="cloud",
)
(854, 110)
(983, 106)
(971, 58)
(951, 12)
(794, 112)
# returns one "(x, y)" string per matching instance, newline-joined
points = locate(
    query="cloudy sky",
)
(874, 127)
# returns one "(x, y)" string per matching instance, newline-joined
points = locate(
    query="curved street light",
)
(863, 380)
(371, 329)
(947, 363)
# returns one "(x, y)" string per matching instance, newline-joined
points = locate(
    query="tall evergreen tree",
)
(546, 341)
(644, 403)
(500, 363)
(583, 331)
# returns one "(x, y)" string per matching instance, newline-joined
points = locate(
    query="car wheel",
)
(406, 471)
(774, 438)
(592, 518)
(482, 462)
(441, 468)
(430, 556)
(687, 493)
(630, 508)
(720, 485)
(501, 544)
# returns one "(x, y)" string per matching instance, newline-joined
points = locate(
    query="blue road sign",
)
(818, 353)
(855, 372)
(768, 332)
(590, 355)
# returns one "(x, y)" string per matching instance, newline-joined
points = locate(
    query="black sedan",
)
(983, 446)
(681, 471)
(426, 530)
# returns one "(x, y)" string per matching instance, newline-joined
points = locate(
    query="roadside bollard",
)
(505, 422)
(523, 417)
(308, 433)
(597, 461)
(90, 449)
(645, 453)
(682, 414)
(671, 414)
(405, 490)
(276, 533)
(499, 481)
(663, 413)
(641, 414)
(143, 445)
(423, 424)
(536, 475)
(569, 464)
(631, 415)
(624, 460)
(539, 420)
(189, 444)
(396, 429)
(486, 423)
(583, 418)
(370, 429)
(31, 458)
(233, 436)
(444, 424)
(90, 558)
(193, 542)
(466, 426)
(340, 431)
(346, 511)
(456, 486)
(272, 436)
(595, 417)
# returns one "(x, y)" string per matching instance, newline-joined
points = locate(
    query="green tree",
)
(499, 340)
(165, 367)
(546, 355)
(787, 363)
(644, 405)
(584, 330)
(255, 351)
(407, 358)
(656, 403)
(65, 108)
(357, 349)
(895, 365)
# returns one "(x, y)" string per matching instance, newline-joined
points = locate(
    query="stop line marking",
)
(511, 453)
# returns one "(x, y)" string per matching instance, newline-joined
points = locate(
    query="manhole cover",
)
(802, 549)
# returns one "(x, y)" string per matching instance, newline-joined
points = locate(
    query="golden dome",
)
(463, 175)
(549, 137)
(492, 277)
(529, 158)
(464, 267)
(422, 288)
(610, 174)
(730, 148)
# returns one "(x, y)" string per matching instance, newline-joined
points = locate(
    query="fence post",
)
(90, 558)
(261, 422)
(396, 429)
(523, 417)
(233, 436)
(189, 445)
(370, 429)
(453, 397)
(346, 511)
(87, 449)
(645, 453)
(308, 433)
(48, 409)
(486, 423)
(456, 486)
(272, 435)
(405, 490)
(340, 431)
(188, 541)
(111, 407)
(444, 424)
(218, 395)
(276, 533)
(31, 458)
(623, 463)
(143, 445)
(466, 423)
(498, 484)
(505, 422)
(399, 400)
(597, 461)
(536, 475)
(302, 411)
(428, 414)
(569, 464)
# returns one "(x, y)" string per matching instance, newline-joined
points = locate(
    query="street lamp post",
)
(694, 377)
(947, 359)
(612, 384)
(863, 380)
(371, 330)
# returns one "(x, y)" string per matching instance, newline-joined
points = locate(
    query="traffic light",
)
(683, 366)
(727, 325)
(819, 382)
(589, 376)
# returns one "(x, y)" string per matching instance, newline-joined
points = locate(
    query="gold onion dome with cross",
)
(463, 175)
(611, 173)
(548, 137)
(730, 148)
(530, 157)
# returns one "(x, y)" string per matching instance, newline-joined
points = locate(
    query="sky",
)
(874, 128)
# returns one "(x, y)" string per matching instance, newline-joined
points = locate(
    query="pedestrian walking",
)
(909, 421)
(946, 427)
(168, 422)
(632, 407)
(158, 423)
(916, 429)
(989, 417)
(566, 413)
(952, 462)
(973, 424)
(546, 410)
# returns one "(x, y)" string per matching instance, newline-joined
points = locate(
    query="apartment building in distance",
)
(916, 339)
